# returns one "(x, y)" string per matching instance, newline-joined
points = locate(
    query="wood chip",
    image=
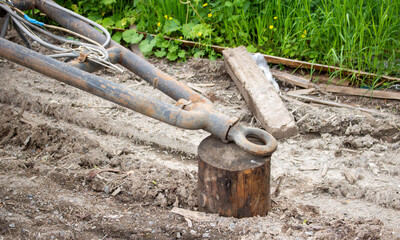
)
(349, 175)
(374, 168)
(94, 173)
(277, 189)
(116, 191)
(303, 118)
(292, 79)
(194, 216)
(324, 170)
(189, 222)
(302, 91)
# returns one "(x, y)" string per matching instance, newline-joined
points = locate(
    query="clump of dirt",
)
(307, 221)
(346, 123)
(41, 137)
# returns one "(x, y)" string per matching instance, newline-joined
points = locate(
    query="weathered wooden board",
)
(292, 79)
(361, 92)
(259, 94)
(304, 83)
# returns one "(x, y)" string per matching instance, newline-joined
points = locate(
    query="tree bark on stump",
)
(232, 182)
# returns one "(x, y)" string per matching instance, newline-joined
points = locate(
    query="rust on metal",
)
(192, 110)
(82, 57)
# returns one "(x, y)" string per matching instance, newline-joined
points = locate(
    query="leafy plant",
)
(131, 36)
(362, 35)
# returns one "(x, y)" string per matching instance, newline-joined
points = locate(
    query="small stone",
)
(206, 235)
(151, 222)
(396, 146)
(178, 235)
(106, 189)
(310, 233)
(12, 225)
(162, 200)
(232, 226)
(193, 232)
(213, 224)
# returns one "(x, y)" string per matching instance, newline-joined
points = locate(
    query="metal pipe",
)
(5, 26)
(192, 110)
(184, 115)
(198, 118)
(131, 61)
(21, 35)
(24, 4)
(101, 87)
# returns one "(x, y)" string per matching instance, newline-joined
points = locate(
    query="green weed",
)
(357, 34)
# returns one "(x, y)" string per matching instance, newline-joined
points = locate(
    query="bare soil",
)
(75, 166)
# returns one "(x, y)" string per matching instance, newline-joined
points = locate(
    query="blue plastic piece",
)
(34, 21)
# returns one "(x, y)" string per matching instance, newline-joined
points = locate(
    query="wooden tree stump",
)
(232, 182)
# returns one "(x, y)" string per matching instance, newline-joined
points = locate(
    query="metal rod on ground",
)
(5, 26)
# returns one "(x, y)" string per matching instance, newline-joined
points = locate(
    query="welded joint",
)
(232, 121)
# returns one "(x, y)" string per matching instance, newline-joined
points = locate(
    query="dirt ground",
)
(339, 176)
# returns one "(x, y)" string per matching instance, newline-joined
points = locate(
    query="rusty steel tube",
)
(192, 110)
(195, 119)
(128, 59)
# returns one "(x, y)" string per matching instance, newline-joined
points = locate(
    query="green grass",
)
(357, 34)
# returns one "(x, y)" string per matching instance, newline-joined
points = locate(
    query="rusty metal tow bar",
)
(191, 111)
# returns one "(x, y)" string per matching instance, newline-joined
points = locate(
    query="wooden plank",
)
(195, 216)
(301, 91)
(304, 83)
(259, 94)
(292, 79)
(321, 67)
(321, 78)
(335, 104)
(361, 92)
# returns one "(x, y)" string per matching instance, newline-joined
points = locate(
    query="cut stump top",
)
(227, 156)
